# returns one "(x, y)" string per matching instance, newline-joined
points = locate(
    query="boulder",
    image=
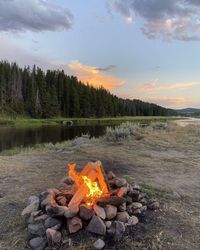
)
(123, 217)
(74, 224)
(96, 226)
(111, 212)
(99, 211)
(120, 182)
(53, 237)
(36, 229)
(51, 222)
(99, 244)
(85, 212)
(38, 243)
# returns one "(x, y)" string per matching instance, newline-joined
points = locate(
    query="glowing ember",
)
(94, 191)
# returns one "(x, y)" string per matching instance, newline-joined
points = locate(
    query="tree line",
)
(39, 94)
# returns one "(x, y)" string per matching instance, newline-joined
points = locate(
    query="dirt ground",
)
(166, 163)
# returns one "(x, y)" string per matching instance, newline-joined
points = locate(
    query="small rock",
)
(99, 244)
(143, 201)
(122, 207)
(128, 200)
(74, 224)
(111, 175)
(53, 236)
(85, 212)
(38, 243)
(136, 187)
(143, 209)
(33, 205)
(111, 212)
(132, 221)
(36, 229)
(122, 192)
(51, 222)
(120, 182)
(154, 205)
(96, 226)
(136, 205)
(137, 211)
(123, 217)
(134, 194)
(108, 224)
(69, 213)
(117, 228)
(100, 212)
(41, 218)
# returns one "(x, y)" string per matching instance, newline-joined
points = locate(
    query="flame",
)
(94, 192)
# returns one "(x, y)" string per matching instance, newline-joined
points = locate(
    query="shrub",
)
(158, 125)
(123, 131)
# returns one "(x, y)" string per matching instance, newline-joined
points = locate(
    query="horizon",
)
(136, 50)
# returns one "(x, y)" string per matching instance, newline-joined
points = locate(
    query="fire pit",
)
(102, 204)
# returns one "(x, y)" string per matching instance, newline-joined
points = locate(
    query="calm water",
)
(14, 137)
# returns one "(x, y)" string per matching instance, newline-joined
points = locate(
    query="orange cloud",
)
(93, 76)
(173, 102)
(153, 86)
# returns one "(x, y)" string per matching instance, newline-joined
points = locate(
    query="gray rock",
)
(69, 213)
(33, 205)
(136, 205)
(154, 205)
(117, 228)
(111, 175)
(143, 201)
(38, 243)
(96, 226)
(53, 236)
(134, 194)
(74, 224)
(123, 217)
(99, 244)
(108, 224)
(51, 222)
(99, 211)
(111, 212)
(120, 182)
(122, 207)
(85, 212)
(132, 221)
(36, 229)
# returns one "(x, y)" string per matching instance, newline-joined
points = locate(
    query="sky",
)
(137, 49)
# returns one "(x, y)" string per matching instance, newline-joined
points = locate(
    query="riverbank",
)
(165, 162)
(30, 122)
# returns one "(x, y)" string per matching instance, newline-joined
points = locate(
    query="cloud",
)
(33, 15)
(171, 102)
(153, 86)
(94, 76)
(170, 20)
(107, 68)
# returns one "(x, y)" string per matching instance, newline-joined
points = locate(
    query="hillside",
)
(188, 111)
(36, 93)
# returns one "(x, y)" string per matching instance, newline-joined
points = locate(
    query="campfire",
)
(91, 200)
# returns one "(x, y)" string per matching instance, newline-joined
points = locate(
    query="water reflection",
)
(14, 137)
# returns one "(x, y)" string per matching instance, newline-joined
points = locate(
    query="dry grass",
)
(165, 162)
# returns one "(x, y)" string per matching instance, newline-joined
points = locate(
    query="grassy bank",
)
(28, 122)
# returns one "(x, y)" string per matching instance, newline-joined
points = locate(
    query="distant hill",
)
(188, 111)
